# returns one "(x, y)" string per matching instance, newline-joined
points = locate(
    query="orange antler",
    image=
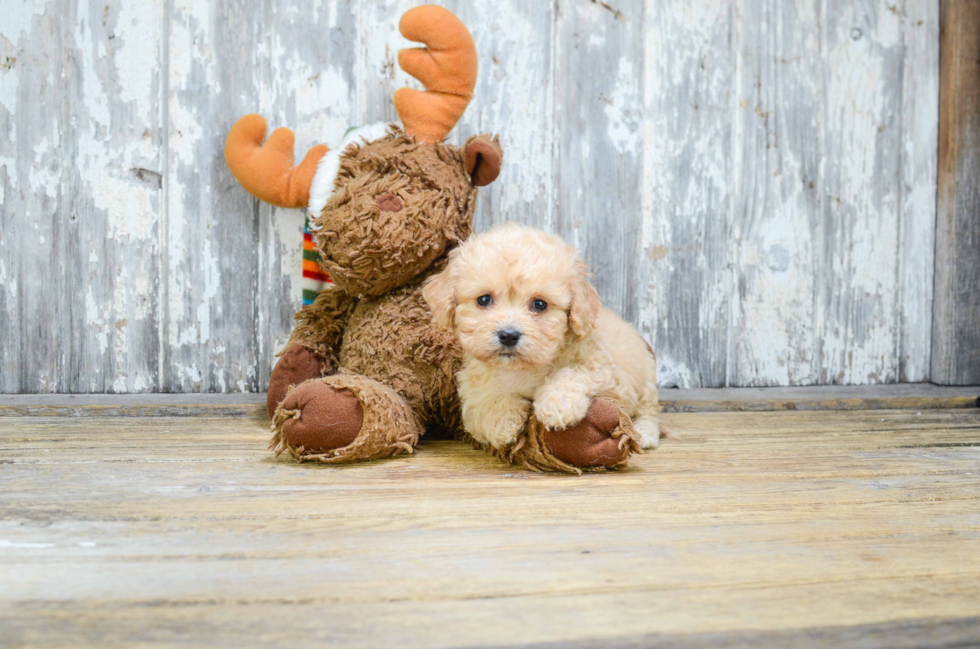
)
(446, 67)
(267, 171)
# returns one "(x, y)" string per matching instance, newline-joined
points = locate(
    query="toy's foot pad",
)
(296, 365)
(324, 418)
(589, 443)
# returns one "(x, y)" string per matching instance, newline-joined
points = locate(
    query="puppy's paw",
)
(648, 428)
(498, 422)
(558, 408)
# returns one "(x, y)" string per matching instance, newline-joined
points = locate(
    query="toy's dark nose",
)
(508, 337)
(389, 202)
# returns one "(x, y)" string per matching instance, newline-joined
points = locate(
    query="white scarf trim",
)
(329, 165)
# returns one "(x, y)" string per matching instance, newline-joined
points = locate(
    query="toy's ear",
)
(483, 157)
(440, 293)
(584, 309)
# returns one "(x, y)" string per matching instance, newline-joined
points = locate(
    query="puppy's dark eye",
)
(484, 300)
(539, 305)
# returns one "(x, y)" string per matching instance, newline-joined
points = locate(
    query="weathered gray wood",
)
(956, 315)
(114, 197)
(514, 99)
(35, 200)
(860, 211)
(753, 182)
(80, 107)
(819, 183)
(686, 262)
(777, 189)
(917, 190)
(598, 116)
(210, 332)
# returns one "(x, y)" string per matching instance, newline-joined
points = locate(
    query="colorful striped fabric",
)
(314, 277)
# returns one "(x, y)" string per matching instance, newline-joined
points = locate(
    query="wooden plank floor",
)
(755, 529)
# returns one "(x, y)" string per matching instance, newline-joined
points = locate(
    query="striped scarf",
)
(315, 279)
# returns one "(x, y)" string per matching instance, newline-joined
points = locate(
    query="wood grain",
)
(111, 208)
(80, 162)
(34, 199)
(686, 263)
(956, 315)
(210, 330)
(183, 531)
(917, 191)
(514, 98)
(599, 131)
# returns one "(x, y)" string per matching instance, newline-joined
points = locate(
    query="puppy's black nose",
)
(508, 337)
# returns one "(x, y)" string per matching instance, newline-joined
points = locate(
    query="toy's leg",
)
(343, 418)
(604, 439)
(296, 365)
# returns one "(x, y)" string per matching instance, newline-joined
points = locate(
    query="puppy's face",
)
(514, 297)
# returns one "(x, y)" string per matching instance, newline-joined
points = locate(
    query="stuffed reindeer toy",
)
(366, 372)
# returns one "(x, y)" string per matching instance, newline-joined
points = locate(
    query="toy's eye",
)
(484, 300)
(539, 306)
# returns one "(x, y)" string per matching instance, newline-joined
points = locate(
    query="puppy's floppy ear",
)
(584, 309)
(440, 293)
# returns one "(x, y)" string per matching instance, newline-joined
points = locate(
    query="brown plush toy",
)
(366, 372)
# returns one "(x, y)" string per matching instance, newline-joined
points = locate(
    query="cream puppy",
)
(535, 336)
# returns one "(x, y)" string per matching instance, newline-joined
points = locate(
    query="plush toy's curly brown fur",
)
(369, 251)
(373, 329)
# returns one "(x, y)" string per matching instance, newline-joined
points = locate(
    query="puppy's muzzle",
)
(508, 337)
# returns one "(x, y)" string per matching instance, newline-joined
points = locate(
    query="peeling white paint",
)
(95, 99)
(515, 99)
(44, 175)
(18, 18)
(327, 91)
(288, 228)
(673, 374)
(623, 110)
(138, 27)
(9, 82)
(188, 373)
(95, 319)
(126, 203)
(9, 165)
(10, 284)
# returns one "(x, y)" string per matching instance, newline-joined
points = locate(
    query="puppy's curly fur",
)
(536, 338)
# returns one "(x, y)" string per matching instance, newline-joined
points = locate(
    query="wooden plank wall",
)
(752, 181)
(956, 317)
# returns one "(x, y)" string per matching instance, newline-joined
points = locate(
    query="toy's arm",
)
(320, 326)
(313, 347)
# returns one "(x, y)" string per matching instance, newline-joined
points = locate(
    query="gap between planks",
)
(904, 396)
